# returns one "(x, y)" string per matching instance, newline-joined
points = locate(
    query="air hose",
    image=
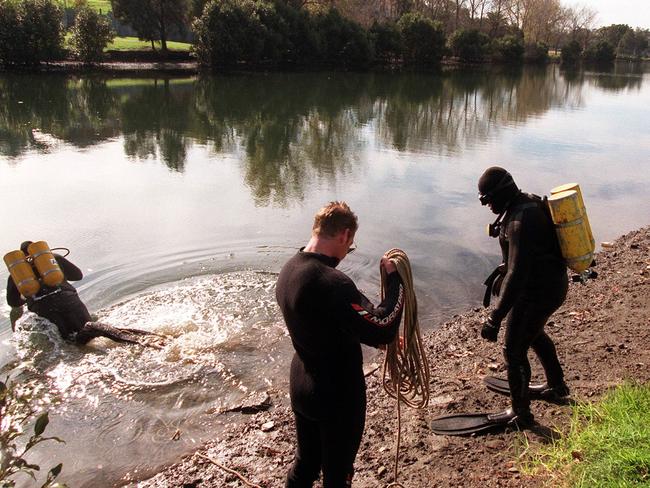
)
(405, 374)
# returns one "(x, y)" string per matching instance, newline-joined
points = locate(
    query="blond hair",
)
(333, 218)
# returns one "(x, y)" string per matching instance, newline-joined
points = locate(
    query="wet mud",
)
(603, 338)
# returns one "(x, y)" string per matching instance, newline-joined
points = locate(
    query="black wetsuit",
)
(535, 285)
(328, 318)
(62, 306)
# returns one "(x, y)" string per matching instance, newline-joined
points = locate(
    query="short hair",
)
(333, 218)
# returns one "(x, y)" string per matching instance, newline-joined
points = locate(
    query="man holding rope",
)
(328, 319)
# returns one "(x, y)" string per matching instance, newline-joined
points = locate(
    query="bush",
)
(228, 32)
(386, 40)
(571, 52)
(536, 53)
(91, 33)
(423, 40)
(290, 37)
(31, 31)
(600, 52)
(469, 45)
(508, 49)
(341, 41)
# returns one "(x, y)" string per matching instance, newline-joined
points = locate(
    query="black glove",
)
(490, 330)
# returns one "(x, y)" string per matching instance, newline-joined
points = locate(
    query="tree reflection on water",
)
(292, 128)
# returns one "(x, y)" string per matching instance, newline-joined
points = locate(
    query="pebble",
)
(268, 426)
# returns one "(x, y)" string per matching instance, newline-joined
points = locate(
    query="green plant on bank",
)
(423, 40)
(17, 410)
(508, 49)
(469, 45)
(607, 444)
(135, 44)
(31, 31)
(91, 33)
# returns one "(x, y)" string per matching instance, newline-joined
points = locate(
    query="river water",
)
(181, 198)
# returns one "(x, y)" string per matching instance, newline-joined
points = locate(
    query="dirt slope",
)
(603, 338)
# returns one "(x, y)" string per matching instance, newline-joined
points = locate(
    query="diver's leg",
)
(520, 332)
(307, 463)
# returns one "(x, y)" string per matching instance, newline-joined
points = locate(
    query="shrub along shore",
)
(283, 34)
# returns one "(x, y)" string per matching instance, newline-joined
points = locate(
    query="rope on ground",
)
(406, 370)
(228, 470)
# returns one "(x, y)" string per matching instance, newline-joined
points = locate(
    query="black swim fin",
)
(539, 391)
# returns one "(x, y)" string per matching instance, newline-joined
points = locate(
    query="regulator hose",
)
(405, 373)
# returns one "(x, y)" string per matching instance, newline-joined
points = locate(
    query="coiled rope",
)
(406, 370)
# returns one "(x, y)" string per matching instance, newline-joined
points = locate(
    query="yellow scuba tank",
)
(45, 264)
(576, 187)
(22, 273)
(572, 227)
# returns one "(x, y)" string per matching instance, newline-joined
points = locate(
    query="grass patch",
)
(99, 5)
(134, 82)
(607, 444)
(135, 44)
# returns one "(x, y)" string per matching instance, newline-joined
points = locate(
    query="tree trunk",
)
(163, 30)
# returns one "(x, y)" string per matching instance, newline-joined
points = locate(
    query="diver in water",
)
(62, 306)
(531, 284)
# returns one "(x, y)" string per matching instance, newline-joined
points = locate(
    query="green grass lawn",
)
(103, 5)
(135, 44)
(607, 444)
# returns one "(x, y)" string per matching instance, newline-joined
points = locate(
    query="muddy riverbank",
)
(603, 338)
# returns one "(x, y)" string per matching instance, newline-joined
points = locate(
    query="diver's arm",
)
(519, 265)
(13, 295)
(378, 325)
(14, 315)
(70, 271)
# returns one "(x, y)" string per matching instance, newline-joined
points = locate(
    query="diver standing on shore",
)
(531, 283)
(60, 303)
(328, 319)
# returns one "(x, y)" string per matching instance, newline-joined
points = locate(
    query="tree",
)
(423, 39)
(229, 32)
(571, 52)
(153, 20)
(633, 43)
(341, 41)
(600, 52)
(387, 41)
(90, 34)
(508, 49)
(30, 31)
(469, 45)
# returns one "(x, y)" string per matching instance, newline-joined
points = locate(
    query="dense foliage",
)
(91, 33)
(386, 40)
(571, 52)
(469, 45)
(423, 40)
(600, 52)
(536, 52)
(508, 49)
(30, 31)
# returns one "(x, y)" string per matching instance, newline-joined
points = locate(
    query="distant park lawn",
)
(99, 5)
(135, 44)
